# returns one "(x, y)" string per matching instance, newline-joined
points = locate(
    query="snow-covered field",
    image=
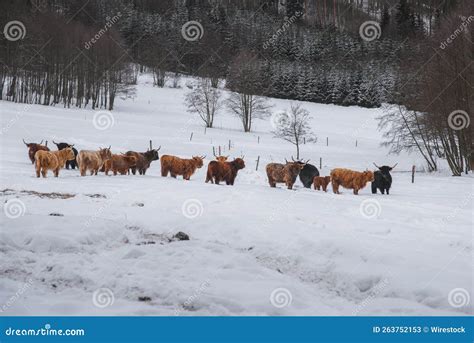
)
(253, 250)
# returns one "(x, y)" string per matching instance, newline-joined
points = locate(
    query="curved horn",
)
(307, 162)
(286, 160)
(25, 142)
(158, 148)
(109, 147)
(394, 165)
(41, 141)
(203, 157)
(55, 142)
(376, 165)
(70, 145)
(293, 159)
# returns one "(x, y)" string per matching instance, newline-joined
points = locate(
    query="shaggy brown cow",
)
(350, 179)
(144, 160)
(321, 181)
(179, 166)
(93, 160)
(286, 173)
(33, 148)
(52, 160)
(224, 171)
(120, 164)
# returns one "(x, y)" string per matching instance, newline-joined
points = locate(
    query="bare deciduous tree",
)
(248, 107)
(294, 127)
(205, 101)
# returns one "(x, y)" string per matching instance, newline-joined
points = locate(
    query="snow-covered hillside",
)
(101, 246)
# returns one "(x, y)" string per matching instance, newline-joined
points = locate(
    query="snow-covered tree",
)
(293, 126)
(204, 100)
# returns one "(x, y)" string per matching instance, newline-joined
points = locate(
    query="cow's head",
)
(368, 176)
(152, 155)
(385, 169)
(105, 153)
(221, 158)
(239, 163)
(33, 145)
(199, 160)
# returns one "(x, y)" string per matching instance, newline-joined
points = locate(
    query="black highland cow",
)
(307, 174)
(382, 179)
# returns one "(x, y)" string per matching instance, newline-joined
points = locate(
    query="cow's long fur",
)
(218, 171)
(175, 166)
(120, 164)
(350, 179)
(52, 160)
(321, 182)
(92, 160)
(62, 146)
(283, 173)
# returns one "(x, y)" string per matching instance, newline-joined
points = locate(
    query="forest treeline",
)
(83, 53)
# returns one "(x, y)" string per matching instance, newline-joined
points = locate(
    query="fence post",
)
(214, 151)
(413, 174)
(205, 129)
(356, 143)
(327, 141)
(151, 145)
(320, 163)
(191, 138)
(229, 144)
(46, 143)
(258, 140)
(258, 161)
(220, 151)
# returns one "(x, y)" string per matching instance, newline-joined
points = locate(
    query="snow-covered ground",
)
(253, 250)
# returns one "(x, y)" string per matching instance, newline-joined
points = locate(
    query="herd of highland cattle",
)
(219, 170)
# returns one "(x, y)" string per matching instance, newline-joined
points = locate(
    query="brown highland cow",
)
(92, 160)
(179, 166)
(224, 171)
(120, 164)
(283, 173)
(350, 179)
(321, 181)
(52, 160)
(33, 148)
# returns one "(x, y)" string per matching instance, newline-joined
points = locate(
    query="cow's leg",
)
(73, 164)
(83, 171)
(134, 170)
(44, 172)
(387, 191)
(92, 172)
(374, 188)
(356, 191)
(335, 187)
(144, 171)
(115, 172)
(56, 172)
(382, 190)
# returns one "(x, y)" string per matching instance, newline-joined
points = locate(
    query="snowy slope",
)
(253, 250)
